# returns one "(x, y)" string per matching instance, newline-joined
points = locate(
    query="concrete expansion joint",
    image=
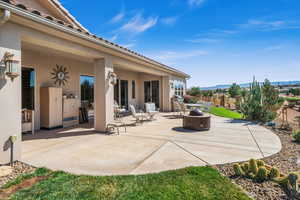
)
(147, 157)
(262, 153)
(166, 141)
(207, 163)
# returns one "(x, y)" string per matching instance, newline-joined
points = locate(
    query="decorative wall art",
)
(60, 75)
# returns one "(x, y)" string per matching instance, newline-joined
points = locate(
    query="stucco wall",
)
(10, 96)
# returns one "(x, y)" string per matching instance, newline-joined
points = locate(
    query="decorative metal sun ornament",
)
(60, 75)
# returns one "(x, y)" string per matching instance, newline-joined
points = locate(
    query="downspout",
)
(4, 17)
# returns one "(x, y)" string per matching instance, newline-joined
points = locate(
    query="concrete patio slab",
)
(152, 147)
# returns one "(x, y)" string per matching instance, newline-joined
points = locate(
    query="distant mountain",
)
(245, 85)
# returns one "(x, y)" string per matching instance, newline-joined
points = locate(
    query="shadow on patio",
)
(82, 129)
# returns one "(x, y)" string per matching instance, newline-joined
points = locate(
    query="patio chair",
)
(139, 117)
(118, 111)
(179, 108)
(151, 110)
(28, 121)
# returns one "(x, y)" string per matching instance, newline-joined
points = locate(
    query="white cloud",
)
(203, 40)
(113, 38)
(118, 17)
(264, 25)
(128, 46)
(170, 21)
(196, 2)
(273, 48)
(171, 57)
(139, 24)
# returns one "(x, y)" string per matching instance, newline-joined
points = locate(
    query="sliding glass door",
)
(151, 92)
(121, 93)
(124, 93)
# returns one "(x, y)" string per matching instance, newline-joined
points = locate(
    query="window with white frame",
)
(179, 87)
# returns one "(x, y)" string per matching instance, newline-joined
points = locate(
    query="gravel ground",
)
(18, 169)
(286, 160)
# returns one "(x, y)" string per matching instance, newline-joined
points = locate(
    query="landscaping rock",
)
(13, 172)
(286, 161)
(5, 170)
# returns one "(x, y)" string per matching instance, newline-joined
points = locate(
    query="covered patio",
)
(152, 147)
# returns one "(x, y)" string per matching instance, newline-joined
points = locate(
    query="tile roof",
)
(81, 30)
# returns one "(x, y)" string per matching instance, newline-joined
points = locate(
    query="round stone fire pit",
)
(197, 123)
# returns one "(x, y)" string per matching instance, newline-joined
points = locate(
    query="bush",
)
(190, 99)
(262, 174)
(194, 91)
(261, 103)
(238, 171)
(296, 136)
(234, 90)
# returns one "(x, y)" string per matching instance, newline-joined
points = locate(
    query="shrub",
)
(274, 173)
(296, 136)
(262, 174)
(190, 99)
(194, 91)
(260, 163)
(234, 90)
(261, 103)
(238, 171)
(253, 166)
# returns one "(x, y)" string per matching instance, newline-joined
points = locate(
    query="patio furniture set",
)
(139, 116)
(195, 120)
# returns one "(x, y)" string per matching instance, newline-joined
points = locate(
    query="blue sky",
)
(216, 41)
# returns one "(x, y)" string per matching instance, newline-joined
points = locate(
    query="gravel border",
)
(19, 168)
(286, 160)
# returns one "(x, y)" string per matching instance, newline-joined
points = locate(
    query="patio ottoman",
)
(198, 123)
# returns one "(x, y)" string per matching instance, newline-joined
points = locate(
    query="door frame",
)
(35, 94)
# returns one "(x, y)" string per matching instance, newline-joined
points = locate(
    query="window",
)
(133, 89)
(179, 88)
(87, 89)
(28, 85)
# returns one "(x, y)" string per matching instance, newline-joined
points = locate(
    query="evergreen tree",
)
(234, 90)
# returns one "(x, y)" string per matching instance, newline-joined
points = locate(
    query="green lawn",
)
(203, 183)
(223, 112)
(292, 98)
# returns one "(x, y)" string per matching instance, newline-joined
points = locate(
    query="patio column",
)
(104, 94)
(166, 94)
(10, 95)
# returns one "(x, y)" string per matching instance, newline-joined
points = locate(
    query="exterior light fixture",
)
(13, 140)
(10, 65)
(112, 77)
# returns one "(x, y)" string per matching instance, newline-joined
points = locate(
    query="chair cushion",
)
(150, 107)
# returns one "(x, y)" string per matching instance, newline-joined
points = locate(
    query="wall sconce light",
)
(10, 65)
(112, 77)
(172, 85)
